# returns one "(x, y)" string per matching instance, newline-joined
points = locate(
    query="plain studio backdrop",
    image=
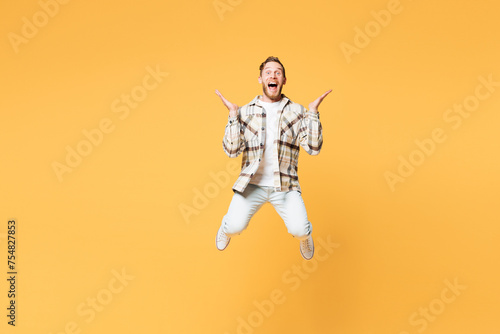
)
(113, 168)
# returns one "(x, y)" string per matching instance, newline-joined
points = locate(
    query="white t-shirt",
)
(265, 174)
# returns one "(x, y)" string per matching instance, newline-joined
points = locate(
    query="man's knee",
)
(300, 231)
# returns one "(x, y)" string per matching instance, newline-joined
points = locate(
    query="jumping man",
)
(268, 132)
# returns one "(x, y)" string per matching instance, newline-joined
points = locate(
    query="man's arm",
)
(232, 143)
(311, 132)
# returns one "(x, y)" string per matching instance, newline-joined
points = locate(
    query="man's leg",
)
(291, 208)
(242, 208)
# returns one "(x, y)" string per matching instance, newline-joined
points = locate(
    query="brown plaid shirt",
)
(245, 133)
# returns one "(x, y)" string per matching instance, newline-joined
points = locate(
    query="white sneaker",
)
(221, 240)
(307, 248)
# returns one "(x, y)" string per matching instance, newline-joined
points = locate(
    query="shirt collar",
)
(284, 100)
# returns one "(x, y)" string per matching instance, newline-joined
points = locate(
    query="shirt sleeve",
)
(233, 143)
(310, 133)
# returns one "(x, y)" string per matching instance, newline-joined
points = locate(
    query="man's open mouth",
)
(272, 85)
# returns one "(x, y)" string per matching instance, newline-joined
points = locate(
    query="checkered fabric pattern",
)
(245, 134)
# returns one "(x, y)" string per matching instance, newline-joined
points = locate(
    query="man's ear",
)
(284, 81)
(260, 79)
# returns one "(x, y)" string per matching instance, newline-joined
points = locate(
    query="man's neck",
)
(264, 98)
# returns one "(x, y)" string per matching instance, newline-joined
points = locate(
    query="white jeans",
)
(289, 206)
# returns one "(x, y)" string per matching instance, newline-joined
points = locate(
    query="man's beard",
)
(269, 94)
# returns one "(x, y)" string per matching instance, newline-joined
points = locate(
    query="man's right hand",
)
(233, 108)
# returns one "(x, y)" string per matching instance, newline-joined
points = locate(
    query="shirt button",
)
(259, 159)
(263, 114)
(262, 128)
(261, 144)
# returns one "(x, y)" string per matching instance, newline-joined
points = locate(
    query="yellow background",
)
(120, 209)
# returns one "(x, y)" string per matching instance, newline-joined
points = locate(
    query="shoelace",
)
(306, 245)
(222, 236)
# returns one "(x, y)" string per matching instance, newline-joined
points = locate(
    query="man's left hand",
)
(313, 106)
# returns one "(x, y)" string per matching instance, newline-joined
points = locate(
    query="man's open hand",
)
(313, 106)
(233, 108)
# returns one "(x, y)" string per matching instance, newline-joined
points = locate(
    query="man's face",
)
(272, 81)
